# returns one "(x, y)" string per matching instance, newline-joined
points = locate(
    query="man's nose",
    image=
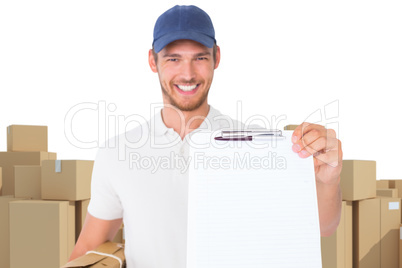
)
(188, 71)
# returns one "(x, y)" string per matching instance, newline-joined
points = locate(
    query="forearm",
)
(94, 232)
(329, 199)
(80, 249)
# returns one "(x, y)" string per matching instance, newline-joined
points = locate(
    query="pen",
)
(248, 135)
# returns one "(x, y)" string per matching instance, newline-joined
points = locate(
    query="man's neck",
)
(183, 122)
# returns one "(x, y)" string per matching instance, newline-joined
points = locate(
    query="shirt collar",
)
(158, 125)
(161, 129)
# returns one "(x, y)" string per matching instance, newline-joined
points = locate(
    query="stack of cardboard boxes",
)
(376, 219)
(43, 200)
(369, 230)
(373, 215)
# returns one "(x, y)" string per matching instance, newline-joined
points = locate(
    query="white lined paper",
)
(252, 217)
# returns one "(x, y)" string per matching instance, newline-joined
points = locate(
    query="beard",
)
(186, 107)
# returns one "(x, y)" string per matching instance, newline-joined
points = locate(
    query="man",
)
(153, 202)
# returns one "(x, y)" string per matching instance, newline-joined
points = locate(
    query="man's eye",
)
(172, 59)
(201, 58)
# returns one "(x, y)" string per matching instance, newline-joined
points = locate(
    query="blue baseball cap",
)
(183, 22)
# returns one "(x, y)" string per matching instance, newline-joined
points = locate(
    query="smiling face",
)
(185, 69)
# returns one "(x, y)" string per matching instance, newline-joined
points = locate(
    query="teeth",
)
(187, 88)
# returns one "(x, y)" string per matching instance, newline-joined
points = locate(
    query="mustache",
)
(192, 81)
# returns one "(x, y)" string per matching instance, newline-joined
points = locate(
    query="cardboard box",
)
(42, 233)
(382, 184)
(390, 222)
(95, 260)
(1, 181)
(119, 236)
(358, 179)
(5, 230)
(387, 193)
(290, 127)
(400, 246)
(81, 208)
(336, 250)
(66, 179)
(396, 184)
(27, 181)
(10, 159)
(366, 233)
(23, 138)
(333, 247)
(349, 234)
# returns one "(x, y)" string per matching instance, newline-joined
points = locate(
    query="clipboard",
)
(255, 212)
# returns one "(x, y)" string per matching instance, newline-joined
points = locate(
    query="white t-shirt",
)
(143, 179)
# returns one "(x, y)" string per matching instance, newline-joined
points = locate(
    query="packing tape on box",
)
(8, 129)
(57, 167)
(400, 233)
(106, 255)
(393, 205)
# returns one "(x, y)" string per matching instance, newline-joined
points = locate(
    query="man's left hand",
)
(311, 139)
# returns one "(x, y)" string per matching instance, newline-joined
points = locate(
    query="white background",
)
(287, 59)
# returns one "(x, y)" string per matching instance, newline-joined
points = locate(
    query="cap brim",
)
(169, 38)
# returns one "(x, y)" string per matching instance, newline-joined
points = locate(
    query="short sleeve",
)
(105, 203)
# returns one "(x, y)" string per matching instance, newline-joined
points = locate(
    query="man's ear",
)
(217, 56)
(152, 61)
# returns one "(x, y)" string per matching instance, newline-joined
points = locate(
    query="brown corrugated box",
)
(336, 250)
(400, 246)
(382, 184)
(390, 221)
(42, 233)
(1, 181)
(23, 138)
(333, 247)
(81, 208)
(66, 179)
(10, 159)
(387, 193)
(95, 260)
(375, 232)
(366, 233)
(358, 179)
(27, 181)
(119, 235)
(349, 235)
(396, 184)
(5, 230)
